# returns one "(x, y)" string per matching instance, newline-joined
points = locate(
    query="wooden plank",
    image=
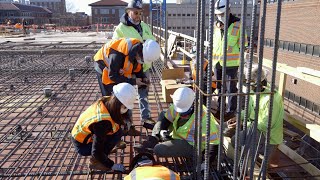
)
(310, 168)
(282, 83)
(293, 72)
(313, 130)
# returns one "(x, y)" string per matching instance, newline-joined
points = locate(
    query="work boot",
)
(95, 164)
(148, 123)
(120, 145)
(133, 132)
(148, 145)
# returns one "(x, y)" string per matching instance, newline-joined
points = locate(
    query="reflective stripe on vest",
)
(152, 173)
(118, 45)
(233, 49)
(187, 131)
(95, 113)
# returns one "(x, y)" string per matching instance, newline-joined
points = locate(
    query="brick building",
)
(298, 46)
(15, 12)
(56, 6)
(107, 12)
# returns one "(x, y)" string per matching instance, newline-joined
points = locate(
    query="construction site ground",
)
(35, 129)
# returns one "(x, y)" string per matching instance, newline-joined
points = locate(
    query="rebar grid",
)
(35, 128)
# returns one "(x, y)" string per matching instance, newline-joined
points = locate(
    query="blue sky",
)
(82, 5)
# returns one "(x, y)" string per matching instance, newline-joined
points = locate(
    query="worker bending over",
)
(143, 167)
(98, 129)
(121, 61)
(180, 117)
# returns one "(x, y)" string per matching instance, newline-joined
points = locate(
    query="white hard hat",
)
(220, 7)
(151, 51)
(126, 94)
(254, 74)
(183, 99)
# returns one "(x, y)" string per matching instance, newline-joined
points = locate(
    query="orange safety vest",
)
(95, 113)
(152, 172)
(123, 46)
(193, 70)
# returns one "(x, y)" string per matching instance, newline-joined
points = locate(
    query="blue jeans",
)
(231, 86)
(86, 149)
(143, 99)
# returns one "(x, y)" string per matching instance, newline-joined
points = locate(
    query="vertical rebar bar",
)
(209, 90)
(165, 31)
(201, 72)
(260, 60)
(239, 98)
(272, 89)
(223, 83)
(196, 103)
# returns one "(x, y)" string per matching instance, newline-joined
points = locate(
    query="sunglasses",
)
(137, 13)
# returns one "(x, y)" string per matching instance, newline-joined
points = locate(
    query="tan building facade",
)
(298, 46)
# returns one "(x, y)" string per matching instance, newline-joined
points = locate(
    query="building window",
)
(188, 27)
(178, 27)
(169, 14)
(309, 49)
(113, 11)
(281, 44)
(104, 11)
(173, 14)
(188, 14)
(96, 11)
(303, 48)
(297, 47)
(316, 51)
(193, 14)
(183, 27)
(291, 46)
(183, 14)
(178, 14)
(285, 45)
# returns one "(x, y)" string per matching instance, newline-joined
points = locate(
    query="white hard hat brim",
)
(220, 11)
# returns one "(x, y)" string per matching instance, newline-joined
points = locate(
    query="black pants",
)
(86, 149)
(231, 86)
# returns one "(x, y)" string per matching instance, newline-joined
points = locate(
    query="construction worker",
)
(117, 62)
(276, 133)
(233, 55)
(143, 167)
(180, 117)
(131, 26)
(98, 129)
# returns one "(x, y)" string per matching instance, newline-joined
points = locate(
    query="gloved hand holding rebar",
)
(118, 167)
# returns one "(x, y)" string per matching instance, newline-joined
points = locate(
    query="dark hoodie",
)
(125, 20)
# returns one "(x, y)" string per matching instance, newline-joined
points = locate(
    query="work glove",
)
(118, 167)
(164, 135)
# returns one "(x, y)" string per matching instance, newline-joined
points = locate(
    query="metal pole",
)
(272, 89)
(209, 90)
(260, 59)
(196, 103)
(201, 72)
(151, 16)
(239, 98)
(223, 85)
(166, 31)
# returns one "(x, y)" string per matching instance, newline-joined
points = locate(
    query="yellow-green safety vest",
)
(233, 49)
(187, 131)
(124, 31)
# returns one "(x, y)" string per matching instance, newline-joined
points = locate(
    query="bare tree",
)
(70, 7)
